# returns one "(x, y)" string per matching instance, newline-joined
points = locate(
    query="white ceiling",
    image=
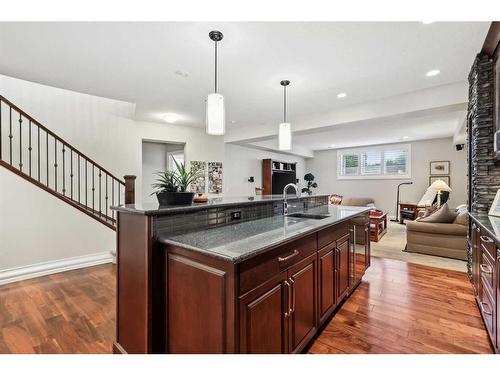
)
(137, 62)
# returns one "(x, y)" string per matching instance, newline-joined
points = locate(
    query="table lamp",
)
(439, 186)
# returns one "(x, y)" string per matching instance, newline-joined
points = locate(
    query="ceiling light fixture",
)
(341, 95)
(216, 122)
(432, 73)
(285, 128)
(170, 117)
(427, 22)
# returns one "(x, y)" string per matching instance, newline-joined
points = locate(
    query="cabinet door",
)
(327, 282)
(342, 267)
(263, 317)
(302, 321)
(475, 257)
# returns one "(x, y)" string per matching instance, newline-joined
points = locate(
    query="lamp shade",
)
(216, 118)
(440, 185)
(285, 136)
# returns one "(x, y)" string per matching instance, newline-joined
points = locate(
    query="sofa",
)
(348, 201)
(440, 239)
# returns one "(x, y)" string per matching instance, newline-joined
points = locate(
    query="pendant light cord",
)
(284, 104)
(215, 66)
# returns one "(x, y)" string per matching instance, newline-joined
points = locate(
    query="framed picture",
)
(440, 168)
(199, 184)
(495, 207)
(214, 177)
(435, 178)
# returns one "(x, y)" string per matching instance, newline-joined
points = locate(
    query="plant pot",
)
(167, 198)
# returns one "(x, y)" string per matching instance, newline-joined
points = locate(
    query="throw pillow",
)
(461, 218)
(443, 215)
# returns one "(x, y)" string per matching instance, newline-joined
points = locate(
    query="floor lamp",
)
(397, 200)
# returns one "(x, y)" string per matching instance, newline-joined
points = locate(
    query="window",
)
(375, 162)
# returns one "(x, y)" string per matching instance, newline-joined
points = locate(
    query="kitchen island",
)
(235, 276)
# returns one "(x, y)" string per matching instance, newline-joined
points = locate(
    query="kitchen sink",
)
(309, 216)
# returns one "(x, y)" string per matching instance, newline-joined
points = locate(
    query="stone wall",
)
(484, 169)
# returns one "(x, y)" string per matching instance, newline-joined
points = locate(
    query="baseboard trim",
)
(47, 268)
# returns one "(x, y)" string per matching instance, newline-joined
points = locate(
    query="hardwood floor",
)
(407, 308)
(398, 308)
(70, 312)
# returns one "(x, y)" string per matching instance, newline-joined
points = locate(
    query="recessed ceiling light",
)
(341, 95)
(170, 117)
(432, 73)
(405, 137)
(427, 22)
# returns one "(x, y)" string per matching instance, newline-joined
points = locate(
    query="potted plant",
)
(309, 177)
(171, 186)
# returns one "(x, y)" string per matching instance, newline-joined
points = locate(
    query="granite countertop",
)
(490, 223)
(238, 242)
(149, 208)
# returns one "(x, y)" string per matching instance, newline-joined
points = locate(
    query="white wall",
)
(324, 168)
(41, 234)
(243, 162)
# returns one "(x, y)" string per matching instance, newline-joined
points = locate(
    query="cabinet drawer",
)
(487, 244)
(487, 307)
(255, 271)
(331, 234)
(487, 271)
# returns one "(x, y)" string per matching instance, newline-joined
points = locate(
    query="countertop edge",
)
(479, 218)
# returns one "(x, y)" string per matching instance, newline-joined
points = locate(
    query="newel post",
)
(129, 189)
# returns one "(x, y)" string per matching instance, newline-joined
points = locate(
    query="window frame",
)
(382, 149)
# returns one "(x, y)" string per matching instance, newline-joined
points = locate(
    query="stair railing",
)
(35, 153)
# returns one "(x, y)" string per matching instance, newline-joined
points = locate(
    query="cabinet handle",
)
(473, 226)
(287, 312)
(293, 295)
(483, 309)
(486, 239)
(486, 269)
(288, 257)
(478, 229)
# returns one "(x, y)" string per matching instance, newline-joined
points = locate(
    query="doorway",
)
(158, 157)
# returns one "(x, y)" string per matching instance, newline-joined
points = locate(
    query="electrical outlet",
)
(236, 215)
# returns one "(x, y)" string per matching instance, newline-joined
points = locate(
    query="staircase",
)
(30, 150)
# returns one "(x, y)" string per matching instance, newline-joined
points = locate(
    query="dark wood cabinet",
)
(263, 317)
(475, 246)
(302, 316)
(342, 267)
(485, 279)
(273, 302)
(327, 281)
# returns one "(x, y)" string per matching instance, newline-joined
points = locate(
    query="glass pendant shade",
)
(285, 136)
(216, 119)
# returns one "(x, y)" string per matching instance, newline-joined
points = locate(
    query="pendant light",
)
(216, 121)
(285, 128)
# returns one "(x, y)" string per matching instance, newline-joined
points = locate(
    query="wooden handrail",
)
(59, 139)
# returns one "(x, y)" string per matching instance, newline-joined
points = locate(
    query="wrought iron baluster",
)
(0, 130)
(71, 170)
(100, 191)
(55, 164)
(47, 155)
(93, 188)
(10, 135)
(38, 152)
(113, 196)
(64, 171)
(106, 196)
(20, 142)
(86, 199)
(29, 147)
(78, 178)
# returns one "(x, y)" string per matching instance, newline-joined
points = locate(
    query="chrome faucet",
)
(285, 196)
